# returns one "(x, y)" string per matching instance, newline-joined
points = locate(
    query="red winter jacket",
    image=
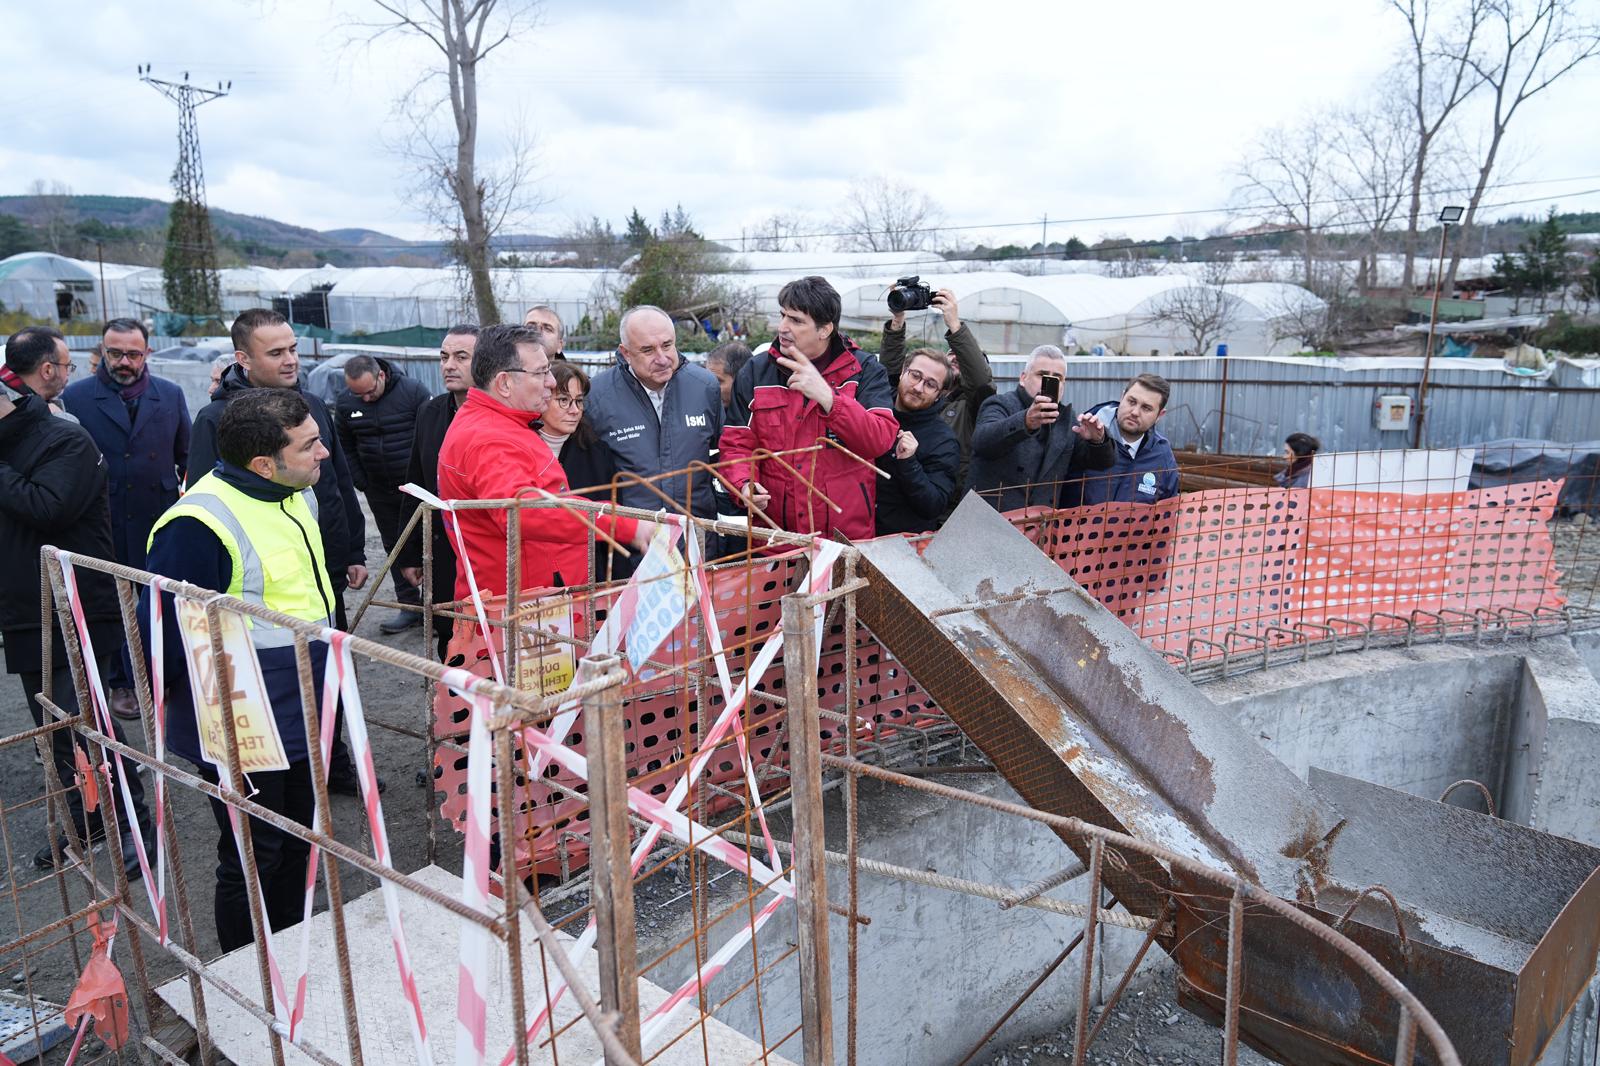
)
(766, 413)
(491, 452)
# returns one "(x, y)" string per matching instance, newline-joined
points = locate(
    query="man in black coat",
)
(926, 458)
(268, 357)
(53, 491)
(433, 421)
(972, 381)
(376, 415)
(141, 424)
(1023, 450)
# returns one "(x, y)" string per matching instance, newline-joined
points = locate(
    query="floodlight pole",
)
(1433, 322)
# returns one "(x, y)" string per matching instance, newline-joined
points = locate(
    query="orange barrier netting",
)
(1203, 564)
(659, 711)
(1190, 575)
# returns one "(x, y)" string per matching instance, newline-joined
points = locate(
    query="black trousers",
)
(392, 510)
(280, 857)
(62, 746)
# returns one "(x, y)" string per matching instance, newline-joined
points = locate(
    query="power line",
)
(559, 244)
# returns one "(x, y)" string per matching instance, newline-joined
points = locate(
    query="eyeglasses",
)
(568, 403)
(115, 354)
(547, 372)
(919, 380)
(69, 364)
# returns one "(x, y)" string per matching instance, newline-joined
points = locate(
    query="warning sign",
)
(545, 665)
(255, 728)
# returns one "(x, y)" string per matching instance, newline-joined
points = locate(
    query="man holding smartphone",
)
(1028, 443)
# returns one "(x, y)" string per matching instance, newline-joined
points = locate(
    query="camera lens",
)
(899, 299)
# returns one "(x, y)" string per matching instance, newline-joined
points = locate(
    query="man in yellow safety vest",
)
(249, 529)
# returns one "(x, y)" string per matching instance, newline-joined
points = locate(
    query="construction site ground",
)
(1145, 1027)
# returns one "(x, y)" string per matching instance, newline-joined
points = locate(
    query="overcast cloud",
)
(1001, 111)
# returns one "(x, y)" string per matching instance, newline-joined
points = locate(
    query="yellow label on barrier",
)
(544, 665)
(254, 727)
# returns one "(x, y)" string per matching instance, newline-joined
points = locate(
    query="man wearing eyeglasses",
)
(37, 364)
(926, 457)
(493, 451)
(971, 379)
(141, 423)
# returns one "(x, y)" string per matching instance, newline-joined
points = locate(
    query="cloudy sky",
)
(1002, 111)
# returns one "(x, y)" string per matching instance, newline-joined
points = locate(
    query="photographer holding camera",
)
(1022, 451)
(919, 488)
(971, 381)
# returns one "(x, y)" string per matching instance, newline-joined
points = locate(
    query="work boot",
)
(342, 781)
(399, 622)
(124, 704)
(45, 859)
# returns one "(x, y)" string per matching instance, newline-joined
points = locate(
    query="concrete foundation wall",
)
(1413, 720)
(937, 969)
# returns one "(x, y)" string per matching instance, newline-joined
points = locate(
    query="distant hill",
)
(132, 229)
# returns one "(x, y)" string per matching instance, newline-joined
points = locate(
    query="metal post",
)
(611, 877)
(100, 257)
(1222, 405)
(810, 877)
(1433, 322)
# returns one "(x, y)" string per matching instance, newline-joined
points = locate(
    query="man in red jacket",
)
(813, 384)
(493, 451)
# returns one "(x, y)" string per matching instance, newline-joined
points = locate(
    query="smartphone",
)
(1050, 387)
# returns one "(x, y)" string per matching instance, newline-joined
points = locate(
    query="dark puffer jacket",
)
(377, 436)
(52, 491)
(1013, 466)
(344, 530)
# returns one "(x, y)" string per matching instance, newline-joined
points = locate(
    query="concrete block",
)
(433, 937)
(1560, 720)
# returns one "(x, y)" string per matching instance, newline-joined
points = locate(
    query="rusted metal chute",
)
(1086, 720)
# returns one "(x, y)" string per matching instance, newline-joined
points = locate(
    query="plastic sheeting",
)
(1516, 461)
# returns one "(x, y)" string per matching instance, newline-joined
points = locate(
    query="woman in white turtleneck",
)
(586, 459)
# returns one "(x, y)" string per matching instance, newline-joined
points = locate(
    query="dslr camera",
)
(910, 294)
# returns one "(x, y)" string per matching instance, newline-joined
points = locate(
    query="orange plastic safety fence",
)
(660, 714)
(1243, 559)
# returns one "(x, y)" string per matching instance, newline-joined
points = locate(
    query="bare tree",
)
(55, 211)
(472, 202)
(591, 243)
(1373, 150)
(1534, 44)
(882, 215)
(1438, 81)
(783, 232)
(1289, 166)
(1204, 311)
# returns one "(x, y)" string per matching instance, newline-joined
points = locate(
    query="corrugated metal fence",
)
(1469, 401)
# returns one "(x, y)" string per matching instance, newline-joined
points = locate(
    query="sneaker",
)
(399, 622)
(124, 704)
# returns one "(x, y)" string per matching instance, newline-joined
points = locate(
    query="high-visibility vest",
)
(275, 548)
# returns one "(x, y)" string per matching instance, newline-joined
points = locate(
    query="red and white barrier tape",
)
(339, 681)
(155, 889)
(820, 578)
